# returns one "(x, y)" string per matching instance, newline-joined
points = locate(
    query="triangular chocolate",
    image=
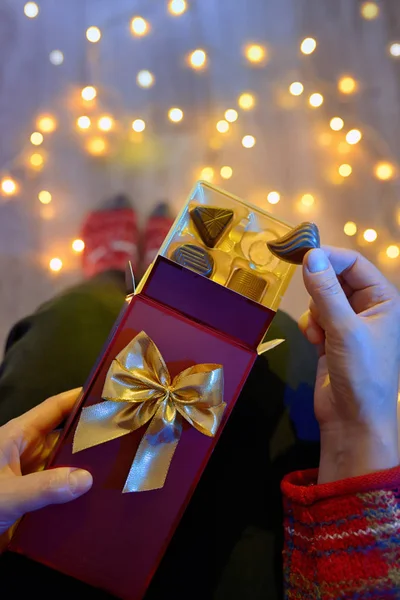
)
(211, 223)
(293, 246)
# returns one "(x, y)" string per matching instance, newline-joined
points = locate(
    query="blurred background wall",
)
(314, 83)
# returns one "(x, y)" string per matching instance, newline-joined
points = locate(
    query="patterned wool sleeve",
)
(342, 540)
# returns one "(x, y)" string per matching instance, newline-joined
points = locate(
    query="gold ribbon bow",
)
(137, 390)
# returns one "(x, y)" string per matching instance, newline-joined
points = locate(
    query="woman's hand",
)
(354, 319)
(25, 444)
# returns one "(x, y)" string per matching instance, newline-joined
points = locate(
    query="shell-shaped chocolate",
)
(293, 246)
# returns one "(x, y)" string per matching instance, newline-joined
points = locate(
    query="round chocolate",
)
(194, 258)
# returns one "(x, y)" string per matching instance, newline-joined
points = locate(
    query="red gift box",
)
(112, 540)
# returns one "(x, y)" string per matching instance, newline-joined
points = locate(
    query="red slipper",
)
(111, 237)
(156, 230)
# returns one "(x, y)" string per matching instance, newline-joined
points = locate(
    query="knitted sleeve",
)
(342, 539)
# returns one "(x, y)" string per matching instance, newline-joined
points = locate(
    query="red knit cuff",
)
(301, 487)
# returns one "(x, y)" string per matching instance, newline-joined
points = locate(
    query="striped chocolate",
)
(194, 258)
(293, 246)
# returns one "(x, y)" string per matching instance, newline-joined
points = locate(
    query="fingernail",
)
(303, 321)
(317, 261)
(80, 482)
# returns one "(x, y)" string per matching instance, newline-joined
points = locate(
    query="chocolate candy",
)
(248, 284)
(293, 246)
(195, 258)
(211, 223)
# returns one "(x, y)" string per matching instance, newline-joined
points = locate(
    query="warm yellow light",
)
(36, 160)
(350, 228)
(255, 53)
(370, 235)
(36, 138)
(138, 125)
(347, 85)
(55, 264)
(31, 10)
(93, 34)
(249, 141)
(231, 115)
(316, 100)
(336, 124)
(246, 101)
(222, 126)
(139, 26)
(353, 136)
(273, 197)
(96, 146)
(89, 93)
(207, 174)
(83, 122)
(308, 46)
(345, 170)
(56, 57)
(369, 10)
(307, 200)
(226, 172)
(45, 197)
(197, 59)
(384, 171)
(9, 186)
(47, 212)
(177, 7)
(145, 79)
(395, 49)
(296, 88)
(175, 115)
(78, 245)
(105, 123)
(343, 148)
(46, 123)
(393, 251)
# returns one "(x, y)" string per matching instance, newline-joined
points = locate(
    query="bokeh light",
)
(345, 170)
(56, 57)
(231, 115)
(36, 160)
(393, 251)
(369, 10)
(226, 172)
(175, 115)
(83, 122)
(316, 100)
(336, 124)
(307, 200)
(145, 79)
(384, 171)
(139, 26)
(36, 138)
(207, 174)
(31, 10)
(370, 235)
(347, 85)
(93, 34)
(246, 101)
(274, 197)
(248, 141)
(296, 88)
(45, 197)
(78, 245)
(222, 126)
(55, 265)
(308, 45)
(138, 125)
(255, 53)
(353, 136)
(96, 146)
(46, 124)
(177, 7)
(9, 186)
(350, 228)
(395, 49)
(198, 59)
(105, 123)
(89, 93)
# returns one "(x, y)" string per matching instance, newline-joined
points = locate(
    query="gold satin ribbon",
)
(137, 390)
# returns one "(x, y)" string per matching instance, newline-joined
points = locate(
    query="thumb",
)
(55, 486)
(324, 288)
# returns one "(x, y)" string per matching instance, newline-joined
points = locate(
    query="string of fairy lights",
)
(96, 126)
